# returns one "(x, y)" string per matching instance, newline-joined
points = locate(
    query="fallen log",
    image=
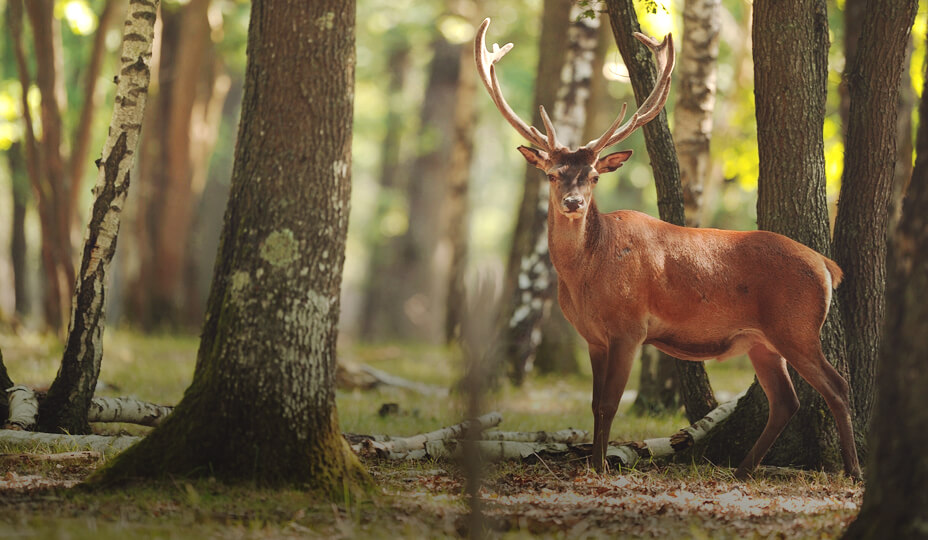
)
(402, 446)
(128, 410)
(503, 445)
(24, 408)
(32, 457)
(98, 443)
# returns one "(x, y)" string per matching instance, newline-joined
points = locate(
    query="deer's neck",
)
(572, 241)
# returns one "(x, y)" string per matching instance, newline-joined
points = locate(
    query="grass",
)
(549, 498)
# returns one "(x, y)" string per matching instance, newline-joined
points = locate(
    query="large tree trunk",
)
(896, 501)
(695, 391)
(266, 365)
(68, 400)
(790, 94)
(530, 277)
(872, 80)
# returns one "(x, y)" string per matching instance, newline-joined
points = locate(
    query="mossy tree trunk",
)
(694, 389)
(261, 406)
(896, 501)
(790, 92)
(872, 79)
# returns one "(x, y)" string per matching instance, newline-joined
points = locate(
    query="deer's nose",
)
(573, 203)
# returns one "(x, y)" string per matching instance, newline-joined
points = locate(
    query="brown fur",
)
(627, 279)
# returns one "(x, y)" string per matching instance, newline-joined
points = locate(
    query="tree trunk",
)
(20, 185)
(373, 323)
(266, 365)
(896, 500)
(78, 163)
(66, 405)
(56, 276)
(456, 204)
(696, 100)
(872, 80)
(5, 382)
(695, 391)
(414, 308)
(790, 106)
(567, 50)
(167, 196)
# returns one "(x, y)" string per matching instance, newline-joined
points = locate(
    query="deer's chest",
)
(593, 311)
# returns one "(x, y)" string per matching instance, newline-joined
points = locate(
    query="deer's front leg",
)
(609, 380)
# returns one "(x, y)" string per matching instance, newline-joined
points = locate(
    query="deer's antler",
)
(486, 67)
(651, 107)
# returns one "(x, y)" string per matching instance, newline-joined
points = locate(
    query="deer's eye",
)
(552, 177)
(594, 178)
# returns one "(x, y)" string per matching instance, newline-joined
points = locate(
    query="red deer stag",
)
(627, 279)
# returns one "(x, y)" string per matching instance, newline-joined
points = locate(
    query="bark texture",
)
(872, 81)
(695, 391)
(695, 103)
(65, 407)
(265, 369)
(896, 501)
(790, 107)
(5, 382)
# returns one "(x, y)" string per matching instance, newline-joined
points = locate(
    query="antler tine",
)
(594, 144)
(486, 68)
(652, 105)
(553, 143)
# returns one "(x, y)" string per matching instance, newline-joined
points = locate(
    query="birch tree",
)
(692, 129)
(65, 408)
(261, 406)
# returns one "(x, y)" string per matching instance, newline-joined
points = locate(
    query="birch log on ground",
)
(98, 443)
(24, 406)
(501, 445)
(68, 400)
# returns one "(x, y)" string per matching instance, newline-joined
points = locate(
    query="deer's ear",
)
(612, 161)
(538, 158)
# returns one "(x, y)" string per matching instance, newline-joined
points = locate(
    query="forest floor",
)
(555, 498)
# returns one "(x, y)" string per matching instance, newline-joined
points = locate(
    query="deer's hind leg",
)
(811, 364)
(781, 397)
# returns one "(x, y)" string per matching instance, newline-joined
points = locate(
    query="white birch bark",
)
(128, 410)
(404, 445)
(69, 396)
(502, 445)
(24, 408)
(696, 87)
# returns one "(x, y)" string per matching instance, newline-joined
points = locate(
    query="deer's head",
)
(574, 172)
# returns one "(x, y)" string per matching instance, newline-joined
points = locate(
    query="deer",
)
(626, 279)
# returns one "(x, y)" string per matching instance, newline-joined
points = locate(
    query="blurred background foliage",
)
(395, 42)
